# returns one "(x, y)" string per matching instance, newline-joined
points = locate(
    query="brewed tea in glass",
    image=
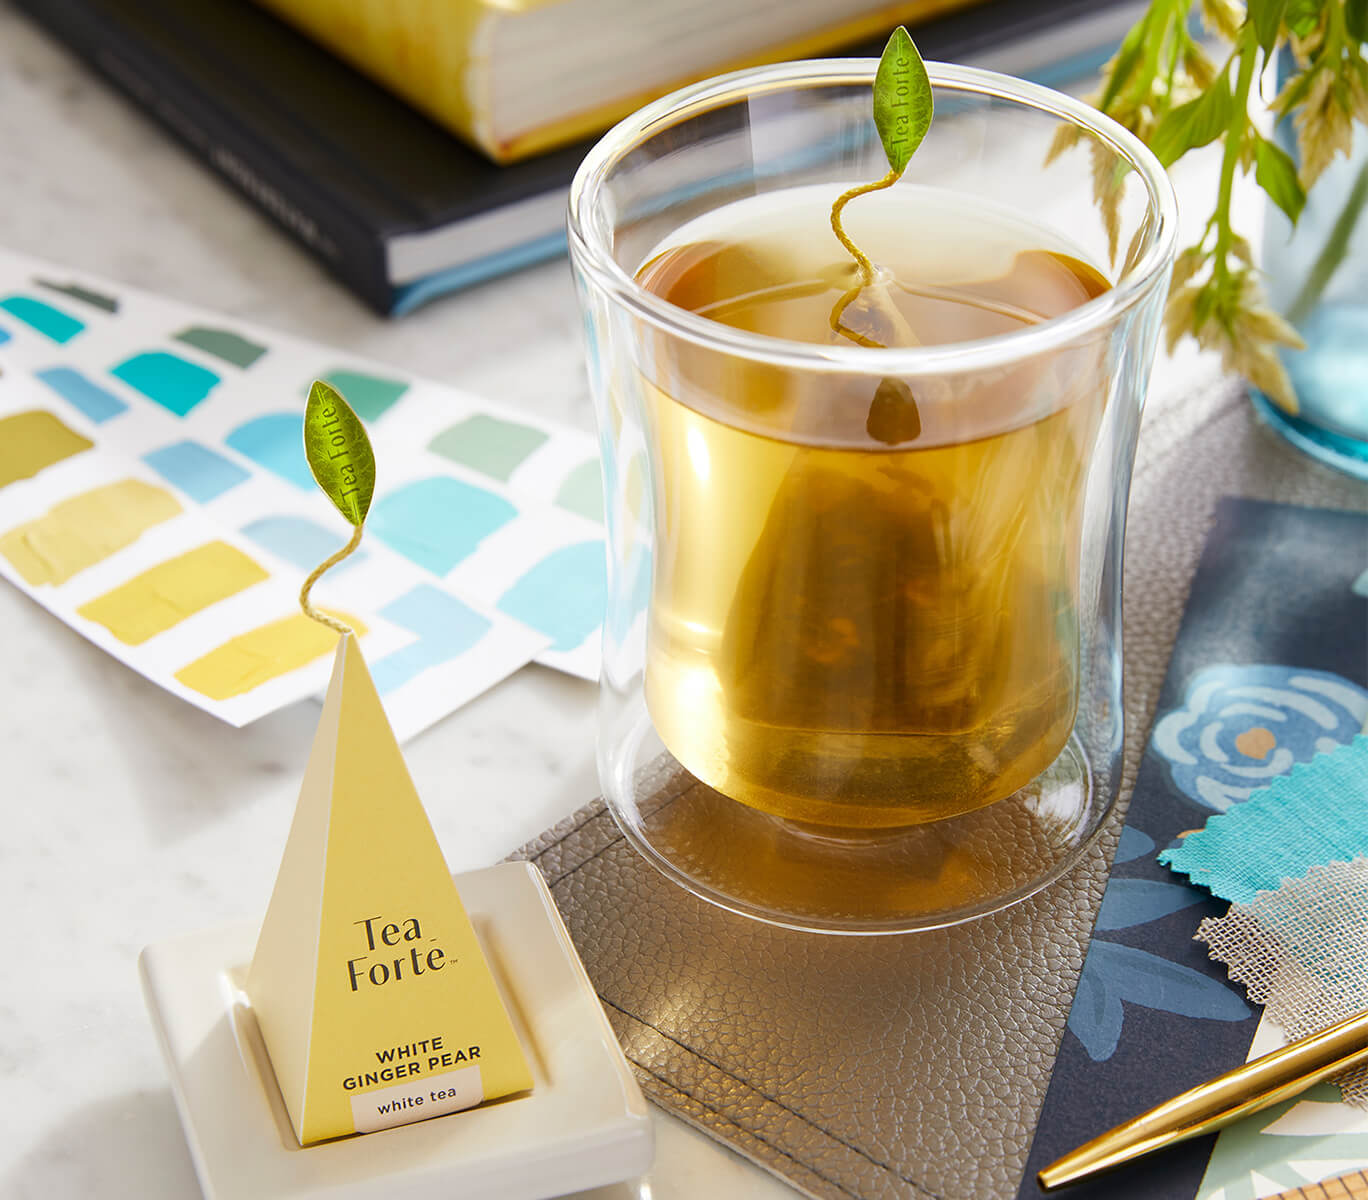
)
(862, 666)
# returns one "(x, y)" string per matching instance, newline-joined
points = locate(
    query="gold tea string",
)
(861, 258)
(309, 610)
(866, 267)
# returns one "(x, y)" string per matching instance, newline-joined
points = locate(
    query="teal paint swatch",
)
(39, 315)
(109, 304)
(222, 343)
(167, 379)
(301, 542)
(446, 629)
(437, 522)
(86, 397)
(371, 396)
(276, 442)
(563, 595)
(487, 444)
(198, 471)
(582, 491)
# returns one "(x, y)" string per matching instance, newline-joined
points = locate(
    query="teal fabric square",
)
(1315, 814)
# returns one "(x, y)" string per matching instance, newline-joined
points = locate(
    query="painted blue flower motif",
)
(1114, 973)
(1242, 726)
(1129, 902)
(1133, 844)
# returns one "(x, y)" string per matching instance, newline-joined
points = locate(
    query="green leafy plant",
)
(343, 465)
(1164, 86)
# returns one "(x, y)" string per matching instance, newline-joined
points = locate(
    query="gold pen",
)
(1268, 1080)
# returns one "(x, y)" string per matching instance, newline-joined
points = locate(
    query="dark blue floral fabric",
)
(1270, 667)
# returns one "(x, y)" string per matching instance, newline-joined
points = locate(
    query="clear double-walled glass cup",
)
(857, 680)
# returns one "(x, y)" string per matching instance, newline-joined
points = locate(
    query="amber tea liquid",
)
(863, 606)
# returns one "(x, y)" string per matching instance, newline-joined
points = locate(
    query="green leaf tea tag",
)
(343, 465)
(339, 452)
(902, 99)
(902, 115)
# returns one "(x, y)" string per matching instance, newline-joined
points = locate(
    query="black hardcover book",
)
(397, 208)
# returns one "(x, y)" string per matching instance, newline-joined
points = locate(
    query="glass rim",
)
(597, 262)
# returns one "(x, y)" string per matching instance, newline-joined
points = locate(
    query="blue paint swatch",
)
(446, 629)
(299, 541)
(196, 470)
(276, 442)
(437, 522)
(87, 397)
(4, 335)
(47, 320)
(563, 595)
(167, 379)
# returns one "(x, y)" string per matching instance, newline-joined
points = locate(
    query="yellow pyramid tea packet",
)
(371, 990)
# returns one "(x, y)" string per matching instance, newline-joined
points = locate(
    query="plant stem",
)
(1249, 52)
(1333, 252)
(1335, 32)
(1175, 52)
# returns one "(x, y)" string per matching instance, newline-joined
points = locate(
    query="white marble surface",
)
(130, 817)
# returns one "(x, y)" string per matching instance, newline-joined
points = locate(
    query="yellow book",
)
(517, 77)
(369, 985)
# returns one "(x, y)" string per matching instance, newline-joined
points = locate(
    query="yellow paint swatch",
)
(32, 440)
(165, 595)
(81, 531)
(262, 654)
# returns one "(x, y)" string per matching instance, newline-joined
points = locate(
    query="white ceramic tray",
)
(583, 1125)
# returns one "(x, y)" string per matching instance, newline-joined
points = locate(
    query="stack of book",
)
(381, 140)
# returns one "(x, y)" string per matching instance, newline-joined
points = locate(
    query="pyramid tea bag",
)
(371, 990)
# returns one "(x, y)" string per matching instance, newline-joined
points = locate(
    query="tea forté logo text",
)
(392, 956)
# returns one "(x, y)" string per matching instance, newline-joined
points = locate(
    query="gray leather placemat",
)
(913, 1066)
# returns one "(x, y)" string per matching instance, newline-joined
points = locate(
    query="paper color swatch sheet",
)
(155, 496)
